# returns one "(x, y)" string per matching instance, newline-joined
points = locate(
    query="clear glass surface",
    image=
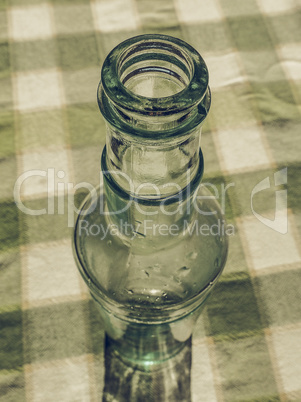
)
(150, 242)
(150, 291)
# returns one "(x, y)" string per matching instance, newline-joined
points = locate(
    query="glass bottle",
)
(143, 241)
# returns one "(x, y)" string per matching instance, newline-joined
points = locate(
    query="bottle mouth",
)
(154, 74)
(155, 69)
(150, 77)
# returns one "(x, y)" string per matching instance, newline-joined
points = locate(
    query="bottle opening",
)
(155, 69)
(154, 84)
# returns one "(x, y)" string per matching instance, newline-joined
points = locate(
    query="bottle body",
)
(150, 242)
(150, 296)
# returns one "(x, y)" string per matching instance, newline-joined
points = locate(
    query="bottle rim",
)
(114, 97)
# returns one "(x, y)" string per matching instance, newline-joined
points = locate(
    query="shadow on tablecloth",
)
(169, 381)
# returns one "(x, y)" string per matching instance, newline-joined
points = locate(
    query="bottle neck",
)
(139, 219)
(152, 169)
(154, 95)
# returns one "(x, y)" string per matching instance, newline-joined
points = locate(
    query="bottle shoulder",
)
(152, 258)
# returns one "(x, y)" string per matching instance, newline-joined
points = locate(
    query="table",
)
(246, 346)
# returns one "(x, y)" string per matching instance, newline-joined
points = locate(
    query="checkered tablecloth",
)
(246, 346)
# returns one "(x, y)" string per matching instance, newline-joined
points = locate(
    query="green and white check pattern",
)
(246, 346)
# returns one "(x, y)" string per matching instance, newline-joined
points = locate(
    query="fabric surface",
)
(246, 345)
